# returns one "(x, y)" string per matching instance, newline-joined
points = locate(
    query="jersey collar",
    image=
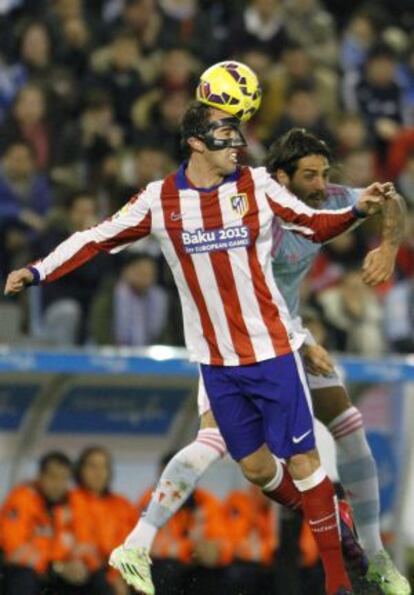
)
(183, 183)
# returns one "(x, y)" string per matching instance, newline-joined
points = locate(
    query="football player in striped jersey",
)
(214, 222)
(302, 163)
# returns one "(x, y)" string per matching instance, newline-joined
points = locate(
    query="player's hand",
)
(371, 199)
(389, 190)
(379, 264)
(317, 360)
(17, 281)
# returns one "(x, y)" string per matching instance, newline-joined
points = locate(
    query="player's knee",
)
(258, 470)
(329, 403)
(303, 465)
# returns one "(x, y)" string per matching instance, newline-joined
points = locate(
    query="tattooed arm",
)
(379, 263)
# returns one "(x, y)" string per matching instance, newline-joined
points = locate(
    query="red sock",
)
(286, 494)
(320, 512)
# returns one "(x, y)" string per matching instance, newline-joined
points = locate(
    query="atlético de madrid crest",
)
(240, 204)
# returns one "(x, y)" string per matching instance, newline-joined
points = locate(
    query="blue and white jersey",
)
(293, 254)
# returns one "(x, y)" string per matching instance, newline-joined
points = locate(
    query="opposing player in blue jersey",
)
(301, 162)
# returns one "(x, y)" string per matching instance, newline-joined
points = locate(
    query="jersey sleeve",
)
(315, 225)
(129, 224)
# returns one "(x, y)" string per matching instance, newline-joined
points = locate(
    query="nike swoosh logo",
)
(176, 216)
(325, 518)
(297, 439)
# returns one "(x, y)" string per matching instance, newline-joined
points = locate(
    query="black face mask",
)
(217, 144)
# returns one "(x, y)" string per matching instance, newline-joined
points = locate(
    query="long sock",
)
(175, 485)
(358, 474)
(282, 490)
(321, 513)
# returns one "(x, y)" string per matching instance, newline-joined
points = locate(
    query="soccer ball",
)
(232, 87)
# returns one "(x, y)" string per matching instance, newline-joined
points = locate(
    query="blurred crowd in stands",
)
(91, 97)
(57, 531)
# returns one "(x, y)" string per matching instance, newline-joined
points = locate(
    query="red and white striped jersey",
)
(217, 242)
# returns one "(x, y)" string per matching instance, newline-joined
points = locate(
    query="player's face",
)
(224, 161)
(310, 180)
(54, 481)
(95, 472)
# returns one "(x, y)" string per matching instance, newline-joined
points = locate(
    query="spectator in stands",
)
(399, 150)
(83, 146)
(309, 24)
(61, 11)
(405, 256)
(297, 69)
(359, 167)
(399, 317)
(260, 26)
(133, 311)
(351, 134)
(25, 194)
(38, 537)
(377, 96)
(36, 52)
(143, 18)
(101, 515)
(66, 303)
(185, 24)
(12, 78)
(25, 197)
(150, 162)
(121, 76)
(361, 33)
(163, 122)
(343, 253)
(353, 316)
(405, 181)
(303, 111)
(178, 70)
(28, 119)
(146, 165)
(76, 43)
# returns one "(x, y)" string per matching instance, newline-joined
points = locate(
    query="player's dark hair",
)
(287, 150)
(194, 123)
(54, 456)
(83, 459)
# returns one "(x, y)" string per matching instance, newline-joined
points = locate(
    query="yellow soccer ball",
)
(232, 87)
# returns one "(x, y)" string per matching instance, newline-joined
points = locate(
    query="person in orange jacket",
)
(251, 524)
(102, 517)
(38, 540)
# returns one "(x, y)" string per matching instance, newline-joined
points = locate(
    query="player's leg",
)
(358, 474)
(356, 466)
(177, 482)
(266, 403)
(180, 477)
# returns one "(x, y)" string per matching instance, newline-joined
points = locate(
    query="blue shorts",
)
(264, 403)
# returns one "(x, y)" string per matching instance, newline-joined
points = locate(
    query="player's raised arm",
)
(321, 225)
(379, 263)
(129, 224)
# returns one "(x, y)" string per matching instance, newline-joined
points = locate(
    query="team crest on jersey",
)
(240, 204)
